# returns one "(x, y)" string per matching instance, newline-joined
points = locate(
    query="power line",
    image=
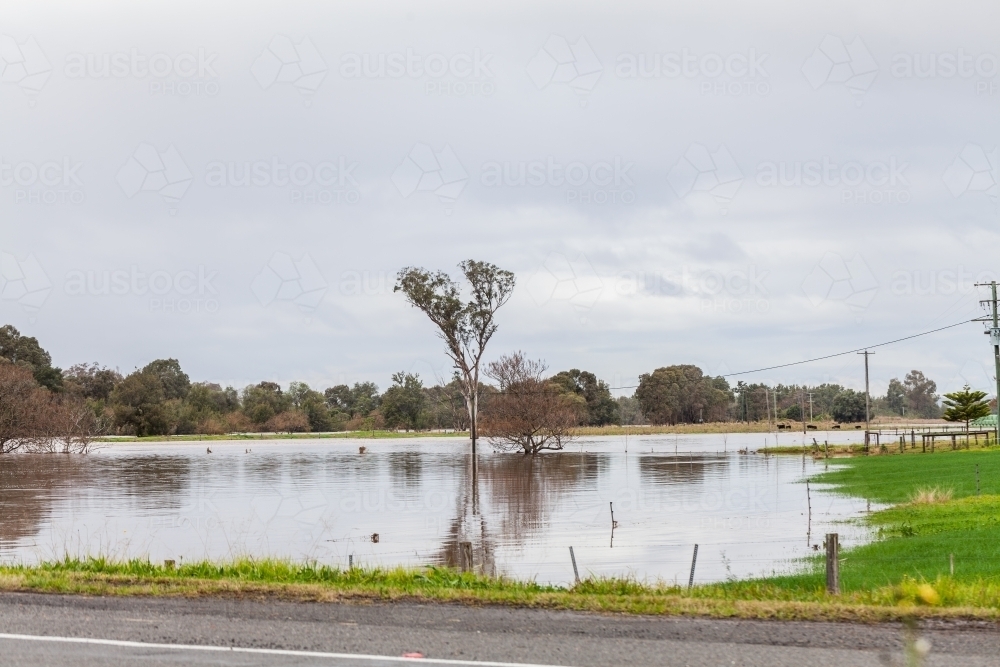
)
(831, 356)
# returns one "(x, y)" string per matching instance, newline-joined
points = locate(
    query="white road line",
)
(261, 651)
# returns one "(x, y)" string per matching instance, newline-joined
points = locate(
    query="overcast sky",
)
(732, 185)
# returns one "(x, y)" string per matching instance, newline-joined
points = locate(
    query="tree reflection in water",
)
(519, 491)
(31, 485)
(680, 469)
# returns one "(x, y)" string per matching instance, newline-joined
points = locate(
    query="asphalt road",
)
(44, 630)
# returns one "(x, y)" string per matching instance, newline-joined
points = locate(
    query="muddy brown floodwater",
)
(414, 501)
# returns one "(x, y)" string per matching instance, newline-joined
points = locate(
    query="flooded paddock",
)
(415, 501)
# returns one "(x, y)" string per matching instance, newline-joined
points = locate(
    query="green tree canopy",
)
(920, 397)
(403, 401)
(601, 408)
(263, 401)
(312, 404)
(849, 406)
(206, 399)
(354, 401)
(176, 383)
(139, 405)
(25, 351)
(91, 381)
(895, 397)
(682, 394)
(965, 405)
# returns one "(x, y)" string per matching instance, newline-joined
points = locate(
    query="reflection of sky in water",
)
(323, 500)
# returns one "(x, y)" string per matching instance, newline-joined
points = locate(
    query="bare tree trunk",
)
(473, 426)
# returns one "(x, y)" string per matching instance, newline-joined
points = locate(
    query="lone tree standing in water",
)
(466, 328)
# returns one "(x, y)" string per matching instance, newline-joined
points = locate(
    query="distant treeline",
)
(683, 394)
(160, 399)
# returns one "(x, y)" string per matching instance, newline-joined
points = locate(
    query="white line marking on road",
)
(262, 651)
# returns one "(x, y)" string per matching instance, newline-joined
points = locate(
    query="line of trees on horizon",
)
(161, 399)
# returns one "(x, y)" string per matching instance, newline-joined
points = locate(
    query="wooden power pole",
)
(868, 417)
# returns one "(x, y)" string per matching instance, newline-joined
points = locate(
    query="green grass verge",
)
(275, 579)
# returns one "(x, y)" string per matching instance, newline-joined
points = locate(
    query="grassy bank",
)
(270, 579)
(939, 515)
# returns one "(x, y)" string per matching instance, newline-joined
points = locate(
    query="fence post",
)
(350, 561)
(572, 557)
(694, 561)
(832, 563)
(466, 560)
(809, 502)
